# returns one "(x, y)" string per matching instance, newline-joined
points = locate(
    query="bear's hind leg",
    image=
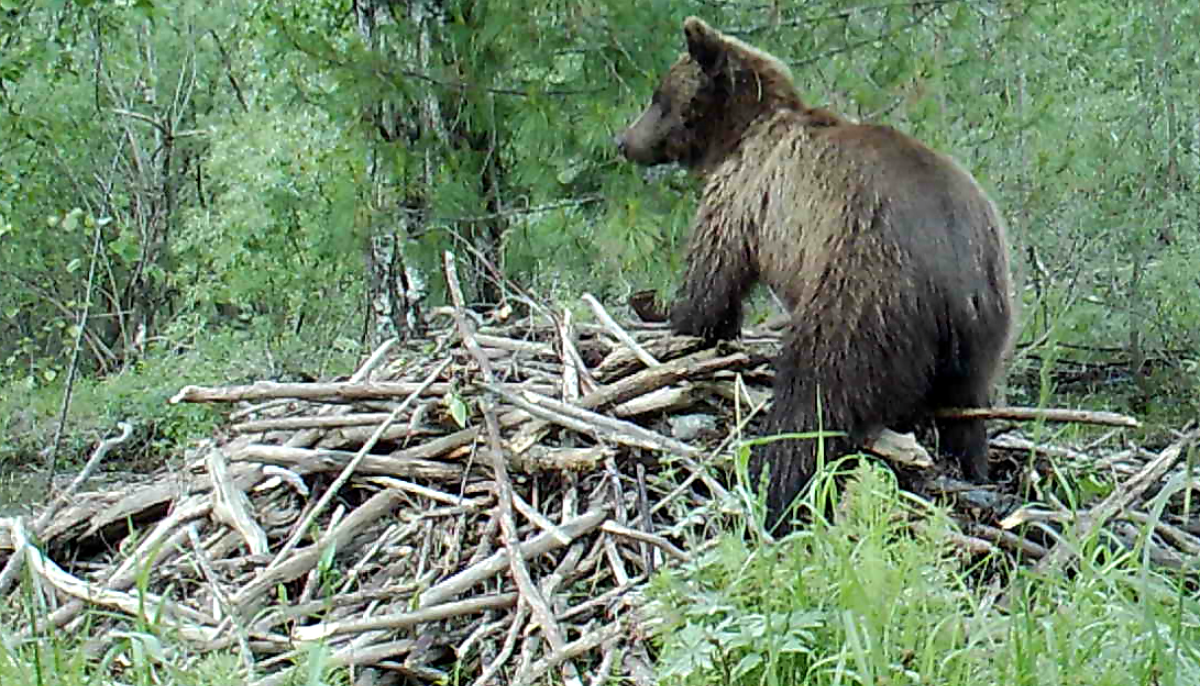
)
(964, 439)
(790, 462)
(848, 368)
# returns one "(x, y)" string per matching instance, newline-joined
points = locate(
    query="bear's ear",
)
(706, 45)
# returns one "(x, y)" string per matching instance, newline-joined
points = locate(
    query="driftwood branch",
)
(1040, 414)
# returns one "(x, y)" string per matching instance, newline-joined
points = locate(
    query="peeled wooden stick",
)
(331, 390)
(570, 389)
(363, 372)
(403, 620)
(538, 519)
(230, 504)
(615, 329)
(314, 422)
(1044, 414)
(308, 460)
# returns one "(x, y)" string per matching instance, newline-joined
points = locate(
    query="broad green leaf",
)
(458, 410)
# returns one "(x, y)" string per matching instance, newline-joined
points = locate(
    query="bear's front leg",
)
(720, 271)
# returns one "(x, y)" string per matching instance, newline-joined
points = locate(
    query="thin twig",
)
(653, 539)
(76, 346)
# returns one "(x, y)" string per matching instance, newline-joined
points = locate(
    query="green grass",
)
(876, 595)
(130, 658)
(141, 657)
(29, 409)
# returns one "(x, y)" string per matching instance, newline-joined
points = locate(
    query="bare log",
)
(1041, 414)
(317, 392)
(403, 620)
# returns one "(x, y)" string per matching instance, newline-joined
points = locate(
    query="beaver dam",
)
(489, 501)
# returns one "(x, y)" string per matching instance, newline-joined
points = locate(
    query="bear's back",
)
(820, 197)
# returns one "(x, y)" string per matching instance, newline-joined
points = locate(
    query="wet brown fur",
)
(891, 258)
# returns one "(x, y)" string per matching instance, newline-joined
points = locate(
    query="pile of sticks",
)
(487, 503)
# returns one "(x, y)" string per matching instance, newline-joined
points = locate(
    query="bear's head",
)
(706, 100)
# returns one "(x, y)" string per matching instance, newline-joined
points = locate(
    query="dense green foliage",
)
(875, 597)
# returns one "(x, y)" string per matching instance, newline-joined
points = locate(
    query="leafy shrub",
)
(875, 597)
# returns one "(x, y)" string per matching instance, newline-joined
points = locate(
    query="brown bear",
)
(890, 258)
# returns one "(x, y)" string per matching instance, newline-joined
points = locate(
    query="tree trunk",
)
(395, 286)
